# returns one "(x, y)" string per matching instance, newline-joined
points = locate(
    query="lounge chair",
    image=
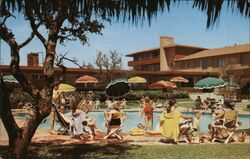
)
(185, 131)
(64, 125)
(114, 124)
(225, 131)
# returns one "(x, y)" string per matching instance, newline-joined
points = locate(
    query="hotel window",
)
(197, 63)
(184, 65)
(223, 61)
(137, 68)
(188, 65)
(140, 57)
(35, 76)
(154, 55)
(155, 67)
(216, 62)
(245, 59)
(204, 64)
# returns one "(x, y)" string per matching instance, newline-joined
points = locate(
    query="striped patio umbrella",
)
(85, 83)
(86, 79)
(162, 84)
(179, 79)
(10, 79)
(210, 83)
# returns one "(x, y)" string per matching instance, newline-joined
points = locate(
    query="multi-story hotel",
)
(192, 60)
(161, 63)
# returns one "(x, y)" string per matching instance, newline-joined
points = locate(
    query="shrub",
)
(248, 106)
(17, 97)
(238, 100)
(136, 95)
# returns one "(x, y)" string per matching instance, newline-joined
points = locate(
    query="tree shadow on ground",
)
(77, 151)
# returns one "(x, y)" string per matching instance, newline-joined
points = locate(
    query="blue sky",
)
(185, 24)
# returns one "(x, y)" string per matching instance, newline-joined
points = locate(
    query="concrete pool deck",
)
(43, 136)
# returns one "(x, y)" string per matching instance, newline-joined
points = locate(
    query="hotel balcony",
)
(147, 61)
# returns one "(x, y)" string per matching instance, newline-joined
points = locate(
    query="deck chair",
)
(114, 124)
(185, 131)
(64, 125)
(225, 131)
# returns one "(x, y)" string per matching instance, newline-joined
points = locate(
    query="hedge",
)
(151, 94)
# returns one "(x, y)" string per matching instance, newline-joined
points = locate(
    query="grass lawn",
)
(127, 151)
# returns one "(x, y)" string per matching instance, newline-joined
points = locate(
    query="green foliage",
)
(248, 106)
(156, 94)
(100, 94)
(129, 10)
(136, 95)
(18, 96)
(238, 100)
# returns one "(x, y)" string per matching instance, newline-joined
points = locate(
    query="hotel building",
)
(193, 62)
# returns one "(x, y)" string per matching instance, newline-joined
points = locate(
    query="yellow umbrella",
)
(66, 88)
(137, 79)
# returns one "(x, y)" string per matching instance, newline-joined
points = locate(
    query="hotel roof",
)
(245, 48)
(158, 49)
(79, 71)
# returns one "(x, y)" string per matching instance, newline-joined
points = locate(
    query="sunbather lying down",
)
(221, 132)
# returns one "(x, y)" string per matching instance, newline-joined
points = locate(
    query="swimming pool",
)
(133, 118)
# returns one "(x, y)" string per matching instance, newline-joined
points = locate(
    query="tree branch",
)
(33, 25)
(26, 41)
(73, 61)
(6, 16)
(59, 63)
(8, 37)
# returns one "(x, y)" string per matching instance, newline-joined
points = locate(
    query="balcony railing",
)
(144, 62)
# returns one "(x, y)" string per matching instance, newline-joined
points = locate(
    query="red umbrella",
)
(162, 84)
(179, 79)
(86, 79)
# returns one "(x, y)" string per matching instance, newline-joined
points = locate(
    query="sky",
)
(185, 24)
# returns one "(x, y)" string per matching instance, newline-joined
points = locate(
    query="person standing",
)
(222, 100)
(62, 100)
(148, 114)
(97, 103)
(55, 101)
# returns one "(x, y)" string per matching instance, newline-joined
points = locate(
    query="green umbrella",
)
(10, 79)
(233, 85)
(209, 83)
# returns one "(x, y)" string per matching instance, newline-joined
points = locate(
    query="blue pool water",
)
(133, 118)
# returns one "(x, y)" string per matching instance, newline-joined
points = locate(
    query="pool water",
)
(132, 119)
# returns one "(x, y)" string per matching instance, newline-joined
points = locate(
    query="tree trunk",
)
(20, 138)
(20, 146)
